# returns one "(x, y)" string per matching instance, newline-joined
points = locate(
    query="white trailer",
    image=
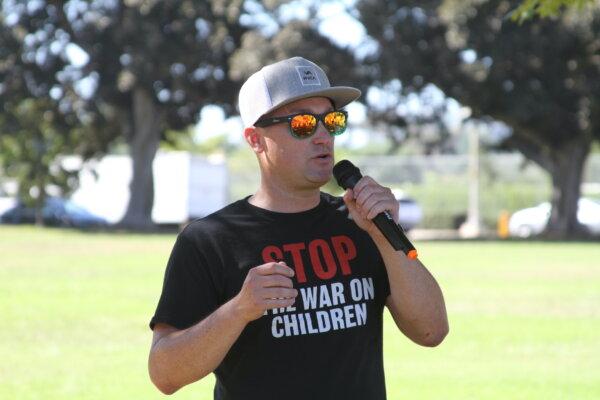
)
(186, 186)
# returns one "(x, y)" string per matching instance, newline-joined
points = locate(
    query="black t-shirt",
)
(328, 345)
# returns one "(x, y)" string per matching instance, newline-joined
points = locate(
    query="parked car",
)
(532, 221)
(56, 212)
(410, 213)
(6, 203)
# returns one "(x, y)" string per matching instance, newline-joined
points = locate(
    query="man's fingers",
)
(364, 196)
(362, 183)
(373, 191)
(275, 268)
(277, 280)
(377, 208)
(278, 303)
(349, 198)
(377, 198)
(279, 293)
(348, 195)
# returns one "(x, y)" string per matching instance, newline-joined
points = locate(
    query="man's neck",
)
(274, 199)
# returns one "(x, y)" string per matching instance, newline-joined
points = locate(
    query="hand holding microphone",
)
(347, 176)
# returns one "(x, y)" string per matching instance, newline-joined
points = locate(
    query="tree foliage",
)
(133, 67)
(296, 38)
(540, 78)
(41, 117)
(29, 155)
(545, 8)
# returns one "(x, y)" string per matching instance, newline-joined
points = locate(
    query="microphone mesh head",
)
(346, 174)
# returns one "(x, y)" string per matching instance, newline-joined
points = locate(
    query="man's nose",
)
(322, 135)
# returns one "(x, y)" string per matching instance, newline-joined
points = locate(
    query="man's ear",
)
(254, 139)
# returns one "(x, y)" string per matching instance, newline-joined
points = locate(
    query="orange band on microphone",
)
(412, 254)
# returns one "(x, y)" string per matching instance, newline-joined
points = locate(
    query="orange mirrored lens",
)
(335, 122)
(303, 125)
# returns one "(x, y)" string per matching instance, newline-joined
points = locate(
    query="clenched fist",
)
(266, 286)
(366, 200)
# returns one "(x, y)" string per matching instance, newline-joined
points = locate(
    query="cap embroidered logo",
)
(308, 76)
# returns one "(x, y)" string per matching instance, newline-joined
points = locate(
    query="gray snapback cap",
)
(286, 81)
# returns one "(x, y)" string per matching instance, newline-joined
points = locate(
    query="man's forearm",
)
(180, 357)
(416, 301)
(185, 356)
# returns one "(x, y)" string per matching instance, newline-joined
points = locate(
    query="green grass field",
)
(524, 320)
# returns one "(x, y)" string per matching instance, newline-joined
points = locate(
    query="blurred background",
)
(118, 119)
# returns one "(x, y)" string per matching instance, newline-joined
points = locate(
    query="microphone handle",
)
(394, 234)
(347, 176)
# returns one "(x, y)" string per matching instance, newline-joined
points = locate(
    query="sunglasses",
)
(304, 125)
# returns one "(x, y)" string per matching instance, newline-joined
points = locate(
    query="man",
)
(281, 294)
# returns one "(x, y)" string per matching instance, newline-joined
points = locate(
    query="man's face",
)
(300, 163)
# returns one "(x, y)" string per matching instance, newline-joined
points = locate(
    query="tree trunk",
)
(566, 173)
(143, 143)
(39, 206)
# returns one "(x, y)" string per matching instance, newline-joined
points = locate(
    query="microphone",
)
(347, 175)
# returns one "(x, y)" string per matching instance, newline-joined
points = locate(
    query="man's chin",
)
(319, 180)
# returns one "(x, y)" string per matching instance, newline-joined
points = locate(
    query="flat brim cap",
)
(284, 82)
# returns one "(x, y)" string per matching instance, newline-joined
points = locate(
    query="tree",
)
(540, 77)
(545, 8)
(30, 154)
(296, 38)
(36, 130)
(146, 66)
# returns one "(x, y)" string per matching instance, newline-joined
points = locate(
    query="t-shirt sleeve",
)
(189, 292)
